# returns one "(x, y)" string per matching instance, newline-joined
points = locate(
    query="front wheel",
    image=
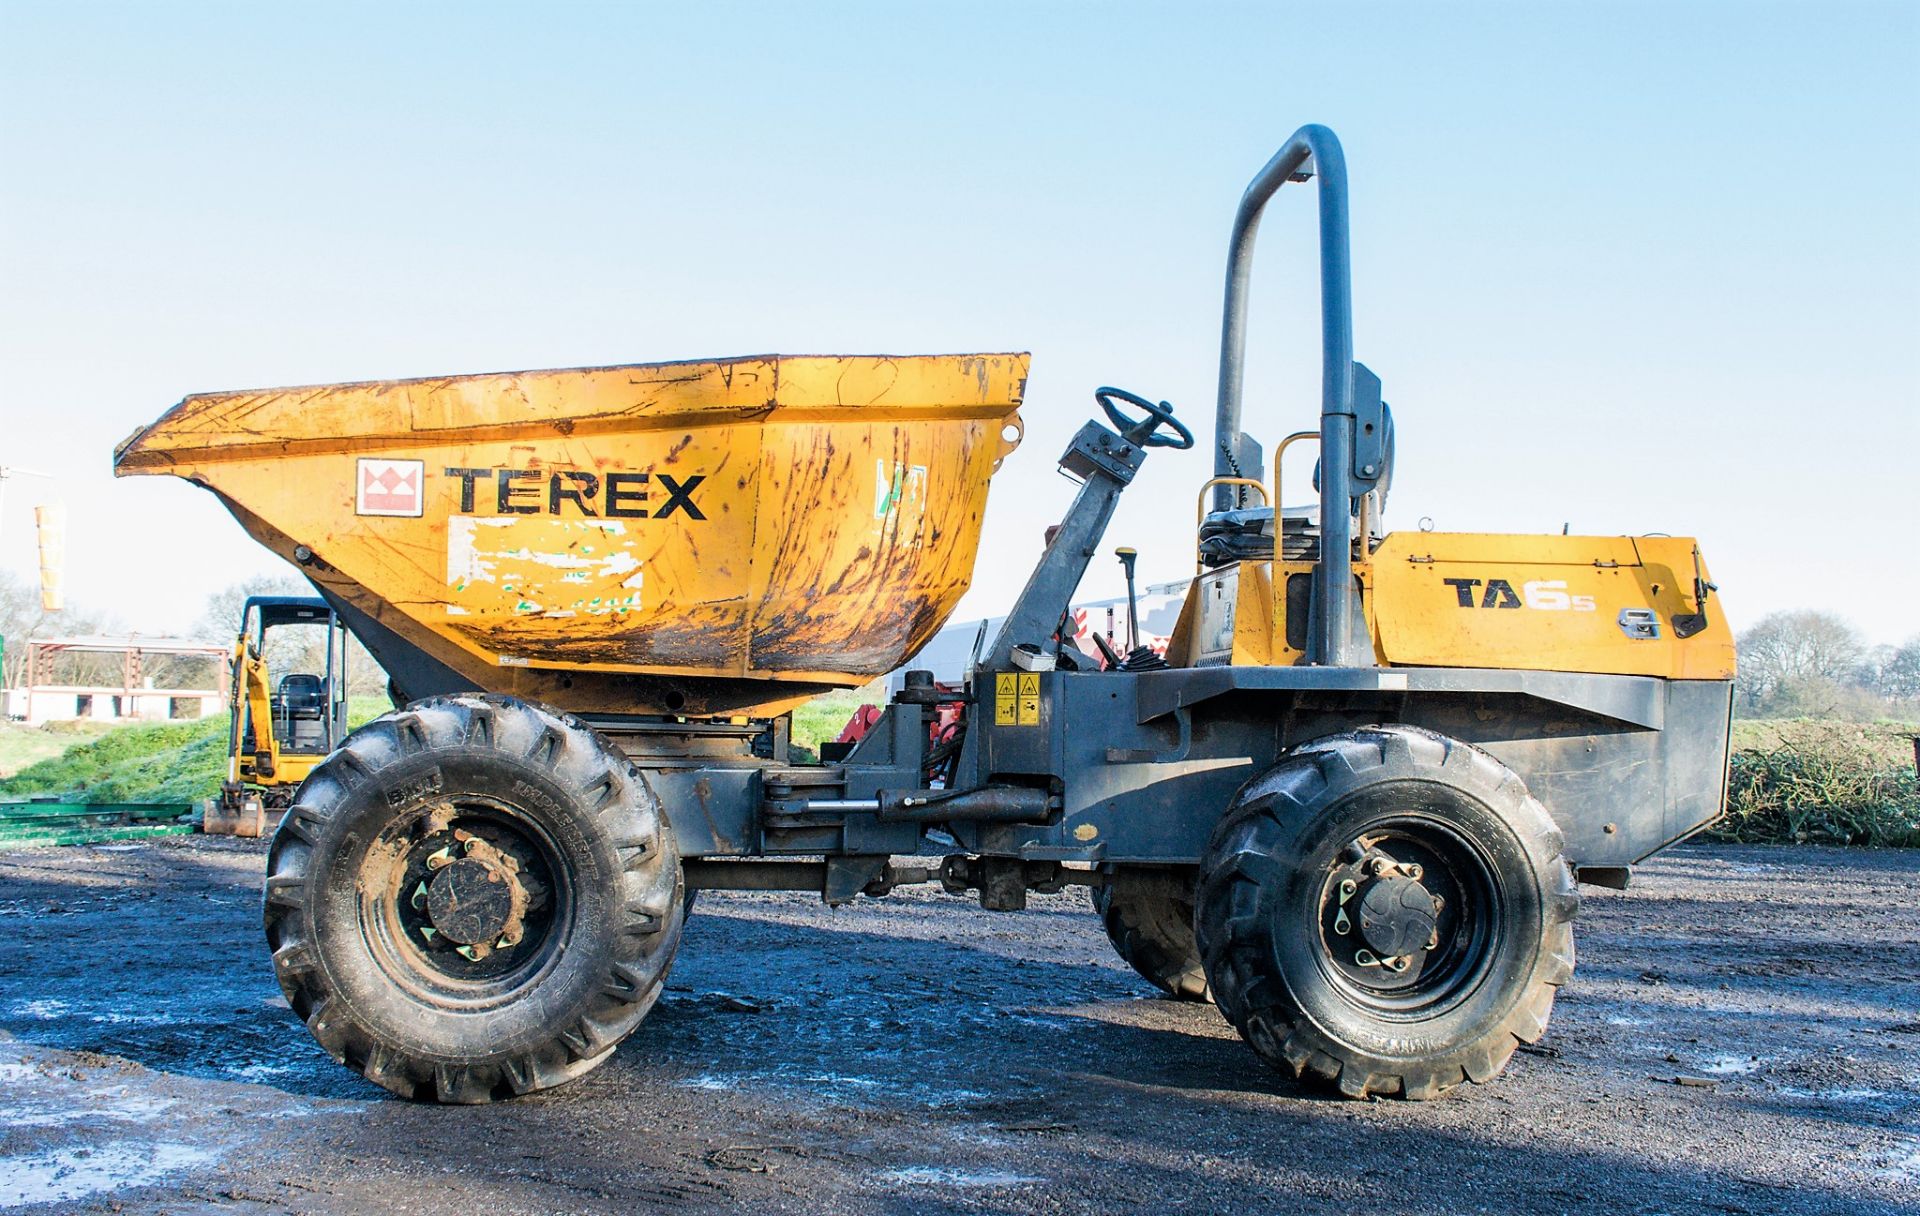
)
(473, 898)
(1388, 910)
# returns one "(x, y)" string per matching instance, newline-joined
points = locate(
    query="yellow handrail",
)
(1200, 508)
(1279, 456)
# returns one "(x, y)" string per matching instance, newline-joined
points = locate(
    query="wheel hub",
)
(475, 898)
(1388, 919)
(1397, 916)
(470, 901)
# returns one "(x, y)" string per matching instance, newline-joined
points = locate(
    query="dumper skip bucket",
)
(709, 538)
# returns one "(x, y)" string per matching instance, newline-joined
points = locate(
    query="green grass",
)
(21, 746)
(157, 762)
(148, 762)
(823, 718)
(1889, 744)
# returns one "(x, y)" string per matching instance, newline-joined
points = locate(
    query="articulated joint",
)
(1003, 882)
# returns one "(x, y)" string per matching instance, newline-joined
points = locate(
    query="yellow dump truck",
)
(1349, 804)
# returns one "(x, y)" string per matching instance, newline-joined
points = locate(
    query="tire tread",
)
(613, 803)
(1251, 846)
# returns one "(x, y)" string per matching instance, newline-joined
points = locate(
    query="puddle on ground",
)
(77, 1124)
(49, 1010)
(67, 1174)
(40, 1010)
(26, 1109)
(939, 1175)
(833, 1086)
(1903, 1163)
(1724, 1065)
(1847, 1097)
(715, 1084)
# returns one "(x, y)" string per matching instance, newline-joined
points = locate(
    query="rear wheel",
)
(473, 898)
(1148, 915)
(1387, 910)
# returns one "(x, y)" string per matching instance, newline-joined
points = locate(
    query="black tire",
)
(493, 799)
(1286, 962)
(1148, 915)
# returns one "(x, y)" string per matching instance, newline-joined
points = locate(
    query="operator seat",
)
(303, 705)
(1246, 534)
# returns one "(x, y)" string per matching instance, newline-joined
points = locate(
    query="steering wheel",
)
(1144, 431)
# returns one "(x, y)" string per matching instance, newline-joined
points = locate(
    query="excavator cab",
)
(289, 708)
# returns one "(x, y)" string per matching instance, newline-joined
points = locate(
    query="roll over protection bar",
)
(1336, 632)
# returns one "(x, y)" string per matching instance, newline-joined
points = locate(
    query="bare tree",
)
(289, 649)
(1797, 652)
(1897, 674)
(20, 618)
(220, 620)
(23, 619)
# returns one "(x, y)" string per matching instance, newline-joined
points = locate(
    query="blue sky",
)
(1627, 267)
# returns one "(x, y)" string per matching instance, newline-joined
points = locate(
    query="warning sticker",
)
(1029, 698)
(1016, 698)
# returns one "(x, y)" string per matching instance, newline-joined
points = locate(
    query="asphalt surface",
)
(1741, 1037)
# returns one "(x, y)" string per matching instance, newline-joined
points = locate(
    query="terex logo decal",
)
(389, 487)
(1544, 595)
(616, 496)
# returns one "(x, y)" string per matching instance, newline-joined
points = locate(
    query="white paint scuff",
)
(597, 569)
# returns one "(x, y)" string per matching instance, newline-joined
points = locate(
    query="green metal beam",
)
(30, 824)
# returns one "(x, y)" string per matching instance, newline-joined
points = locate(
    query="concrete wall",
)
(109, 705)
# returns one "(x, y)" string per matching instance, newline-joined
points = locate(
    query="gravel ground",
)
(915, 1054)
